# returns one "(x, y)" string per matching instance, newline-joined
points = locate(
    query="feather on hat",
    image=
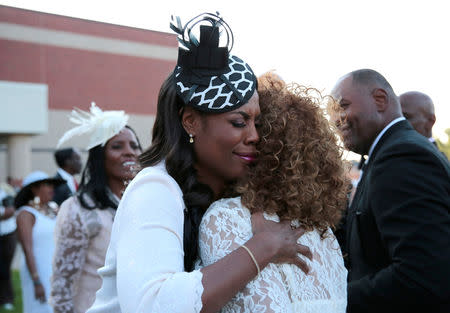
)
(99, 125)
(206, 76)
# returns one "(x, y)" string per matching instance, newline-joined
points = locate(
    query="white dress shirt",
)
(68, 178)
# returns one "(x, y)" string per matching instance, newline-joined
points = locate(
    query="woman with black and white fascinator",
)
(204, 139)
(84, 221)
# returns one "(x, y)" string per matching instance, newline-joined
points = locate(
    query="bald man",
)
(418, 109)
(397, 228)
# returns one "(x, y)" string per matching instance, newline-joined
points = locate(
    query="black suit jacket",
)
(436, 145)
(62, 192)
(398, 228)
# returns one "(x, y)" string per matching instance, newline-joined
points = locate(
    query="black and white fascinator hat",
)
(207, 77)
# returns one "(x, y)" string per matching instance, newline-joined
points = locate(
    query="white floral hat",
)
(98, 125)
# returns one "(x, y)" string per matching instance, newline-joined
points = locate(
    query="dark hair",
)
(171, 143)
(62, 155)
(94, 180)
(26, 193)
(368, 76)
(25, 196)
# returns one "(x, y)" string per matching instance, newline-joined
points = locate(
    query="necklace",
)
(49, 209)
(133, 170)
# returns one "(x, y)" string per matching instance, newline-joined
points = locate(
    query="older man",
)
(398, 225)
(418, 109)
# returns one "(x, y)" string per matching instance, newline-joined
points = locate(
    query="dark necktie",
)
(362, 163)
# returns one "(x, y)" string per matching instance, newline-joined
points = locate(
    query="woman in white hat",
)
(84, 222)
(35, 225)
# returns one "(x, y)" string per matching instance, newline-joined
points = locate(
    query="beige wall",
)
(24, 102)
(44, 145)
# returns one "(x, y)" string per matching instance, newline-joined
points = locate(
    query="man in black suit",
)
(69, 163)
(398, 225)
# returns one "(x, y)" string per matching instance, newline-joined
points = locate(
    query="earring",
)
(36, 202)
(191, 138)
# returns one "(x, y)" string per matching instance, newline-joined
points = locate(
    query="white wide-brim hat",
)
(25, 194)
(96, 126)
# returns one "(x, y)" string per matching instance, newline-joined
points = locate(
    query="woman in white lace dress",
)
(84, 221)
(299, 177)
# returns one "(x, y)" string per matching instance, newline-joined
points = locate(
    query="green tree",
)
(445, 146)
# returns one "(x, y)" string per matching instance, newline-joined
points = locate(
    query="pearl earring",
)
(191, 138)
(37, 201)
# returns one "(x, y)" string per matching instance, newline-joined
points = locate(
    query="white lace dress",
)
(280, 287)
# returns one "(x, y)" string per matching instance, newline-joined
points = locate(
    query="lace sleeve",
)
(224, 228)
(71, 242)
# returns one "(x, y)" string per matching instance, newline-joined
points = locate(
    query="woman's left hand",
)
(39, 293)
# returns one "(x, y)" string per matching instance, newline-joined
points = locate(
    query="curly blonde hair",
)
(300, 173)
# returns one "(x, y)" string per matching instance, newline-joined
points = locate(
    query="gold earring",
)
(191, 138)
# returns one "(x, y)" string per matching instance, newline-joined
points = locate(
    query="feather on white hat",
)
(99, 125)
